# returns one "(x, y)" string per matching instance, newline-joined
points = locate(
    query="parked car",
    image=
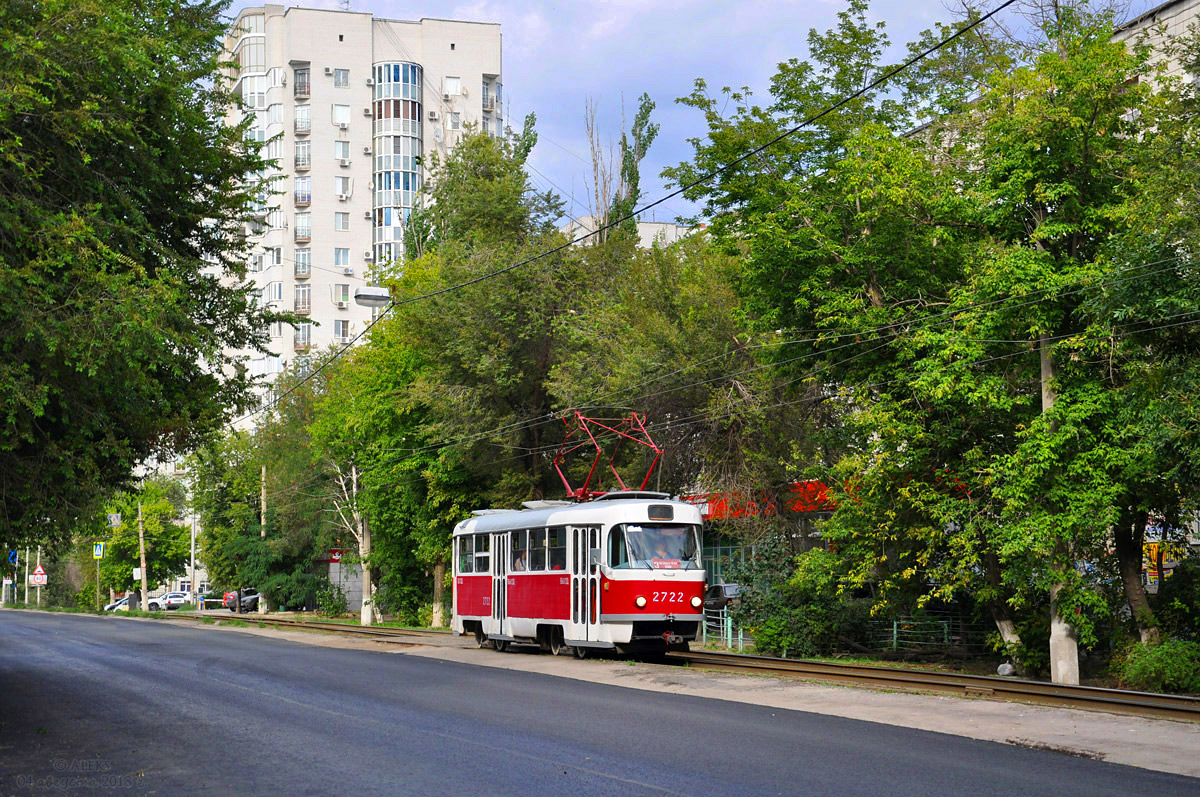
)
(720, 596)
(118, 605)
(249, 600)
(166, 601)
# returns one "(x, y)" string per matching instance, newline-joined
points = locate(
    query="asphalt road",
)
(108, 705)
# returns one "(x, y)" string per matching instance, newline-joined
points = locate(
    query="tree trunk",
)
(1001, 616)
(438, 617)
(368, 589)
(1064, 647)
(1128, 538)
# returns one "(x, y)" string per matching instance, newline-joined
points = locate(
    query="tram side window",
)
(520, 551)
(558, 548)
(537, 549)
(482, 542)
(618, 553)
(466, 555)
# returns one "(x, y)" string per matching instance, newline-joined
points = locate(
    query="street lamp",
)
(372, 296)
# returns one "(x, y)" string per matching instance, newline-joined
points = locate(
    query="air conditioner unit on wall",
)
(433, 116)
(344, 125)
(329, 70)
(366, 214)
(367, 255)
(343, 197)
(366, 150)
(446, 96)
(340, 305)
(343, 161)
(349, 272)
(366, 111)
(370, 81)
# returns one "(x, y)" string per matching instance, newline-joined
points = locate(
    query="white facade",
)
(349, 107)
(650, 233)
(1162, 24)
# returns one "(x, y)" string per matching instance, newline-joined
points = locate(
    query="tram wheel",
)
(481, 639)
(500, 645)
(557, 648)
(580, 652)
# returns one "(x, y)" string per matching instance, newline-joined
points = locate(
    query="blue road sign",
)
(97, 550)
(12, 557)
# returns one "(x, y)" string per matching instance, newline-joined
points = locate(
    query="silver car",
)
(169, 600)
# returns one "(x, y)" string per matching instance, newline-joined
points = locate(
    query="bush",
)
(331, 600)
(1170, 666)
(1177, 604)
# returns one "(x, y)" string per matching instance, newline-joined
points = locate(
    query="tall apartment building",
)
(344, 103)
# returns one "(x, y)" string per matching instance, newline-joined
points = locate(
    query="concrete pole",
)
(192, 577)
(142, 551)
(1064, 648)
(39, 589)
(262, 529)
(27, 575)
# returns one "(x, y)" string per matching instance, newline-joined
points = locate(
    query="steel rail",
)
(313, 625)
(1142, 704)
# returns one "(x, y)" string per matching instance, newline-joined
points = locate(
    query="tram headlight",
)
(639, 602)
(696, 602)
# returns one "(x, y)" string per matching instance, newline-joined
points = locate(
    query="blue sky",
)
(557, 55)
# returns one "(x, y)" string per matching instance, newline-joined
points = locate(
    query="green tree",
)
(117, 180)
(168, 538)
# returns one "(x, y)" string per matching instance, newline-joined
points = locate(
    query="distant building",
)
(1169, 21)
(349, 106)
(663, 233)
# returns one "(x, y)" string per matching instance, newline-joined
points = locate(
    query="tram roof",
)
(599, 511)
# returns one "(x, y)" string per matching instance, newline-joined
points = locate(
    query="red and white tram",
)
(622, 571)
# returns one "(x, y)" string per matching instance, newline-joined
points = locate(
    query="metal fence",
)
(927, 633)
(719, 629)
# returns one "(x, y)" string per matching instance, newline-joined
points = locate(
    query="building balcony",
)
(302, 345)
(303, 198)
(303, 236)
(302, 90)
(302, 308)
(302, 272)
(303, 127)
(489, 104)
(303, 164)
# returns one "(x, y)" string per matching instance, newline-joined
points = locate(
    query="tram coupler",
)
(672, 639)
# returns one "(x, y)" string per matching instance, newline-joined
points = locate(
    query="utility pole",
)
(1064, 648)
(39, 589)
(192, 576)
(142, 550)
(262, 528)
(27, 575)
(97, 584)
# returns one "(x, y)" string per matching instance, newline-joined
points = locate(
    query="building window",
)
(341, 257)
(341, 78)
(341, 114)
(303, 154)
(304, 225)
(252, 56)
(303, 118)
(275, 220)
(303, 335)
(451, 86)
(455, 120)
(273, 257)
(277, 329)
(303, 262)
(274, 151)
(341, 149)
(303, 189)
(341, 186)
(341, 331)
(341, 221)
(303, 365)
(303, 82)
(254, 91)
(275, 114)
(273, 292)
(304, 297)
(485, 126)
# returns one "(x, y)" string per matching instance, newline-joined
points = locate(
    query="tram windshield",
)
(654, 546)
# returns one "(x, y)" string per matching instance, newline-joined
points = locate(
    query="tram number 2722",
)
(666, 597)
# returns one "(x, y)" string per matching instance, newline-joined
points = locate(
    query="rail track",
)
(1120, 701)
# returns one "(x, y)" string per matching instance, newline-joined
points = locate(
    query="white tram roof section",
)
(598, 512)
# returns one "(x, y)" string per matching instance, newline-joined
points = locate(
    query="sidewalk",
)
(1161, 745)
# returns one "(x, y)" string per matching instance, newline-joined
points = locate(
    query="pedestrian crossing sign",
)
(98, 550)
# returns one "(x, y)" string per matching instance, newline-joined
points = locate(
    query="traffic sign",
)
(38, 577)
(97, 550)
(12, 557)
(137, 572)
(114, 519)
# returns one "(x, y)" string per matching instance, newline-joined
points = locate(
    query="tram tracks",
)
(1121, 701)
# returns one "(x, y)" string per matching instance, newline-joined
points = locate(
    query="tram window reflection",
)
(482, 548)
(466, 555)
(618, 553)
(558, 548)
(537, 549)
(520, 551)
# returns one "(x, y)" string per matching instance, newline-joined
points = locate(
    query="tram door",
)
(500, 548)
(585, 581)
